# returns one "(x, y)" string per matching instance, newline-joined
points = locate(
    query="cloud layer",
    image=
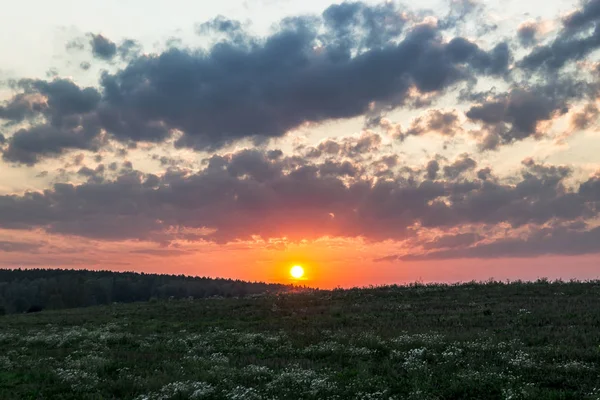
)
(309, 70)
(252, 193)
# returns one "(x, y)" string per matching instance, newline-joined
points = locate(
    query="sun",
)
(297, 271)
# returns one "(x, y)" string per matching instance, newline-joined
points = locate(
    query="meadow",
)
(490, 340)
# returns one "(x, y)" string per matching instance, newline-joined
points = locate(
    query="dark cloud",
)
(312, 69)
(560, 241)
(224, 27)
(515, 115)
(494, 62)
(460, 10)
(274, 154)
(527, 33)
(432, 169)
(338, 169)
(578, 38)
(105, 49)
(246, 193)
(63, 98)
(21, 106)
(129, 49)
(590, 190)
(463, 164)
(445, 123)
(102, 47)
(71, 121)
(365, 144)
(253, 164)
(484, 173)
(283, 84)
(586, 117)
(580, 19)
(564, 49)
(29, 146)
(356, 25)
(93, 175)
(17, 247)
(452, 241)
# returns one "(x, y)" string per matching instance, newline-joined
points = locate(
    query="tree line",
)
(32, 290)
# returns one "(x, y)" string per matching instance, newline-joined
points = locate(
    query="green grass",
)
(472, 341)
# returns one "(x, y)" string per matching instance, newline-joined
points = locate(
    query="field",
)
(472, 341)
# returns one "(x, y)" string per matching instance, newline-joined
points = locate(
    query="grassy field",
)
(471, 341)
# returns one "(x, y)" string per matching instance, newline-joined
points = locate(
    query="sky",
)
(370, 142)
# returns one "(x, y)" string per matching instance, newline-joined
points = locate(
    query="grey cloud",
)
(247, 194)
(356, 25)
(20, 107)
(564, 49)
(261, 88)
(64, 98)
(484, 173)
(352, 147)
(432, 169)
(585, 118)
(16, 247)
(338, 169)
(230, 29)
(460, 10)
(102, 47)
(494, 62)
(579, 19)
(453, 241)
(560, 241)
(590, 190)
(129, 49)
(274, 154)
(283, 84)
(538, 197)
(29, 146)
(573, 42)
(527, 33)
(463, 164)
(442, 122)
(515, 115)
(253, 164)
(93, 175)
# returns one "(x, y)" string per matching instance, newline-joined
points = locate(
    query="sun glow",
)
(297, 272)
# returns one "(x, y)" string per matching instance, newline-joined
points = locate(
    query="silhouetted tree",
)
(32, 290)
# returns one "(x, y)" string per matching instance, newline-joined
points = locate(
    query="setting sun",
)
(297, 271)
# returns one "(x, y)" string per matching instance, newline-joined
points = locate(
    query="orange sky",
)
(327, 263)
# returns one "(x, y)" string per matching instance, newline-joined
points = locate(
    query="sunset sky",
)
(370, 142)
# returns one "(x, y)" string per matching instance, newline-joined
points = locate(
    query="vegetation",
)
(33, 290)
(472, 341)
